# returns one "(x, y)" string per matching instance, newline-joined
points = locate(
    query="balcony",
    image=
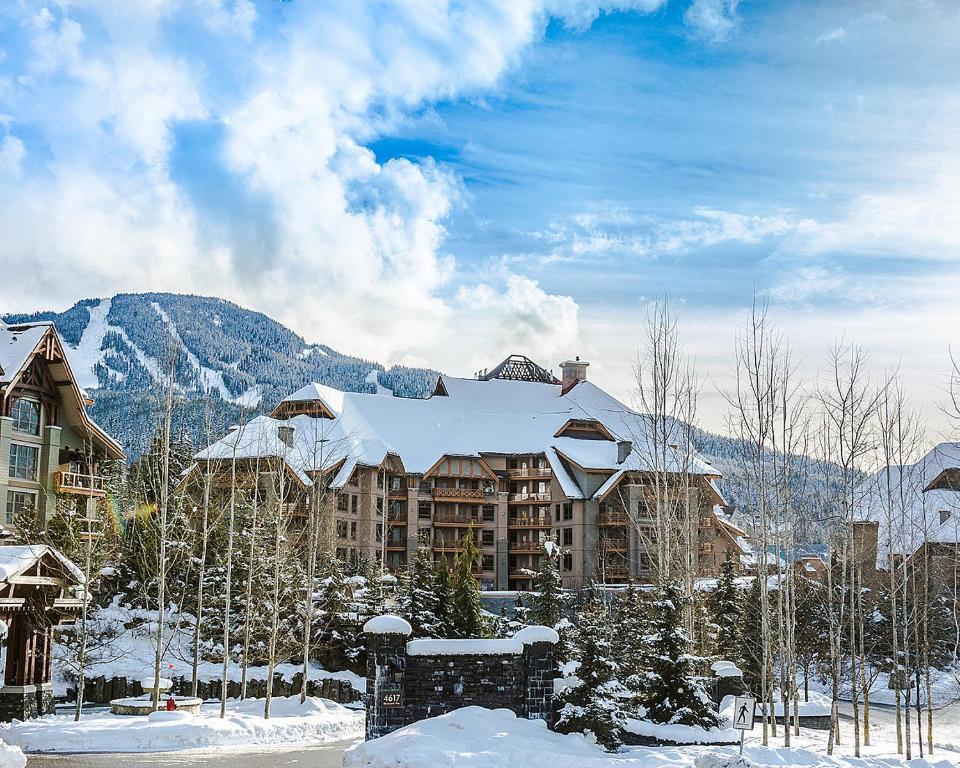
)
(526, 547)
(79, 484)
(612, 544)
(461, 494)
(613, 517)
(614, 572)
(396, 546)
(530, 473)
(398, 493)
(521, 521)
(452, 518)
(529, 498)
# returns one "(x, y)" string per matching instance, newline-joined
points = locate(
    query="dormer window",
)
(944, 515)
(26, 416)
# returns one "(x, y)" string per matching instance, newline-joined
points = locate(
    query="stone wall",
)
(101, 690)
(405, 686)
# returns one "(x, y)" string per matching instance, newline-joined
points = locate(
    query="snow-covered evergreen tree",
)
(467, 608)
(629, 644)
(418, 603)
(331, 637)
(595, 705)
(751, 638)
(550, 600)
(443, 589)
(673, 692)
(725, 605)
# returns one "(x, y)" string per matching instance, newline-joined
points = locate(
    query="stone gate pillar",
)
(538, 648)
(386, 664)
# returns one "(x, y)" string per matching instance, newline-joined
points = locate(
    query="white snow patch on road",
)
(316, 720)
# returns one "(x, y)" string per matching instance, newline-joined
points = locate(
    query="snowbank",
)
(537, 633)
(464, 647)
(682, 734)
(474, 737)
(388, 625)
(11, 756)
(316, 720)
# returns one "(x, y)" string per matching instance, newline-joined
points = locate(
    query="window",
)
(486, 562)
(556, 511)
(26, 416)
(395, 481)
(568, 511)
(568, 537)
(488, 512)
(487, 538)
(379, 531)
(379, 505)
(379, 480)
(342, 502)
(341, 529)
(19, 502)
(568, 562)
(353, 504)
(423, 510)
(23, 461)
(353, 531)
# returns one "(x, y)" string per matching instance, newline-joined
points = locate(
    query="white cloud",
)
(716, 20)
(833, 36)
(12, 153)
(358, 255)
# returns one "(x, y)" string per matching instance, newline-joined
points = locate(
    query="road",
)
(319, 756)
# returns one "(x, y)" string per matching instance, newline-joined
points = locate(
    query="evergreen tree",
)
(550, 600)
(725, 607)
(418, 604)
(595, 704)
(467, 609)
(628, 646)
(331, 635)
(673, 692)
(443, 589)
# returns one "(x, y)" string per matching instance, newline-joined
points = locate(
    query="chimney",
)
(624, 448)
(286, 435)
(573, 372)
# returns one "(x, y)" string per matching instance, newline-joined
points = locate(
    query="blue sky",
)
(445, 183)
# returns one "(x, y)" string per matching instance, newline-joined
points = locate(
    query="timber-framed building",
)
(50, 448)
(515, 457)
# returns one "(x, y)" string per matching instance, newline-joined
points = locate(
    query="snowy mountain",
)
(121, 347)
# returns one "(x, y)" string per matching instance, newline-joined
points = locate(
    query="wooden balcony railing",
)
(522, 521)
(451, 518)
(462, 494)
(529, 498)
(520, 473)
(529, 547)
(612, 544)
(80, 484)
(614, 572)
(613, 517)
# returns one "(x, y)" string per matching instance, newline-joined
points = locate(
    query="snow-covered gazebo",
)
(39, 589)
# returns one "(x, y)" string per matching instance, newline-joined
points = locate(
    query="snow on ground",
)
(316, 720)
(11, 756)
(944, 685)
(131, 652)
(480, 738)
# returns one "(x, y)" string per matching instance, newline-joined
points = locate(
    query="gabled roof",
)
(917, 502)
(476, 417)
(18, 346)
(15, 560)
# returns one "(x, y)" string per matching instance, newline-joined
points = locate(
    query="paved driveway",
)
(320, 756)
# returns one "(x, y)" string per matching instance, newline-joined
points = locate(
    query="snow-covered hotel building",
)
(50, 448)
(514, 456)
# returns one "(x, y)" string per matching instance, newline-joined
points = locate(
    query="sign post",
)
(744, 712)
